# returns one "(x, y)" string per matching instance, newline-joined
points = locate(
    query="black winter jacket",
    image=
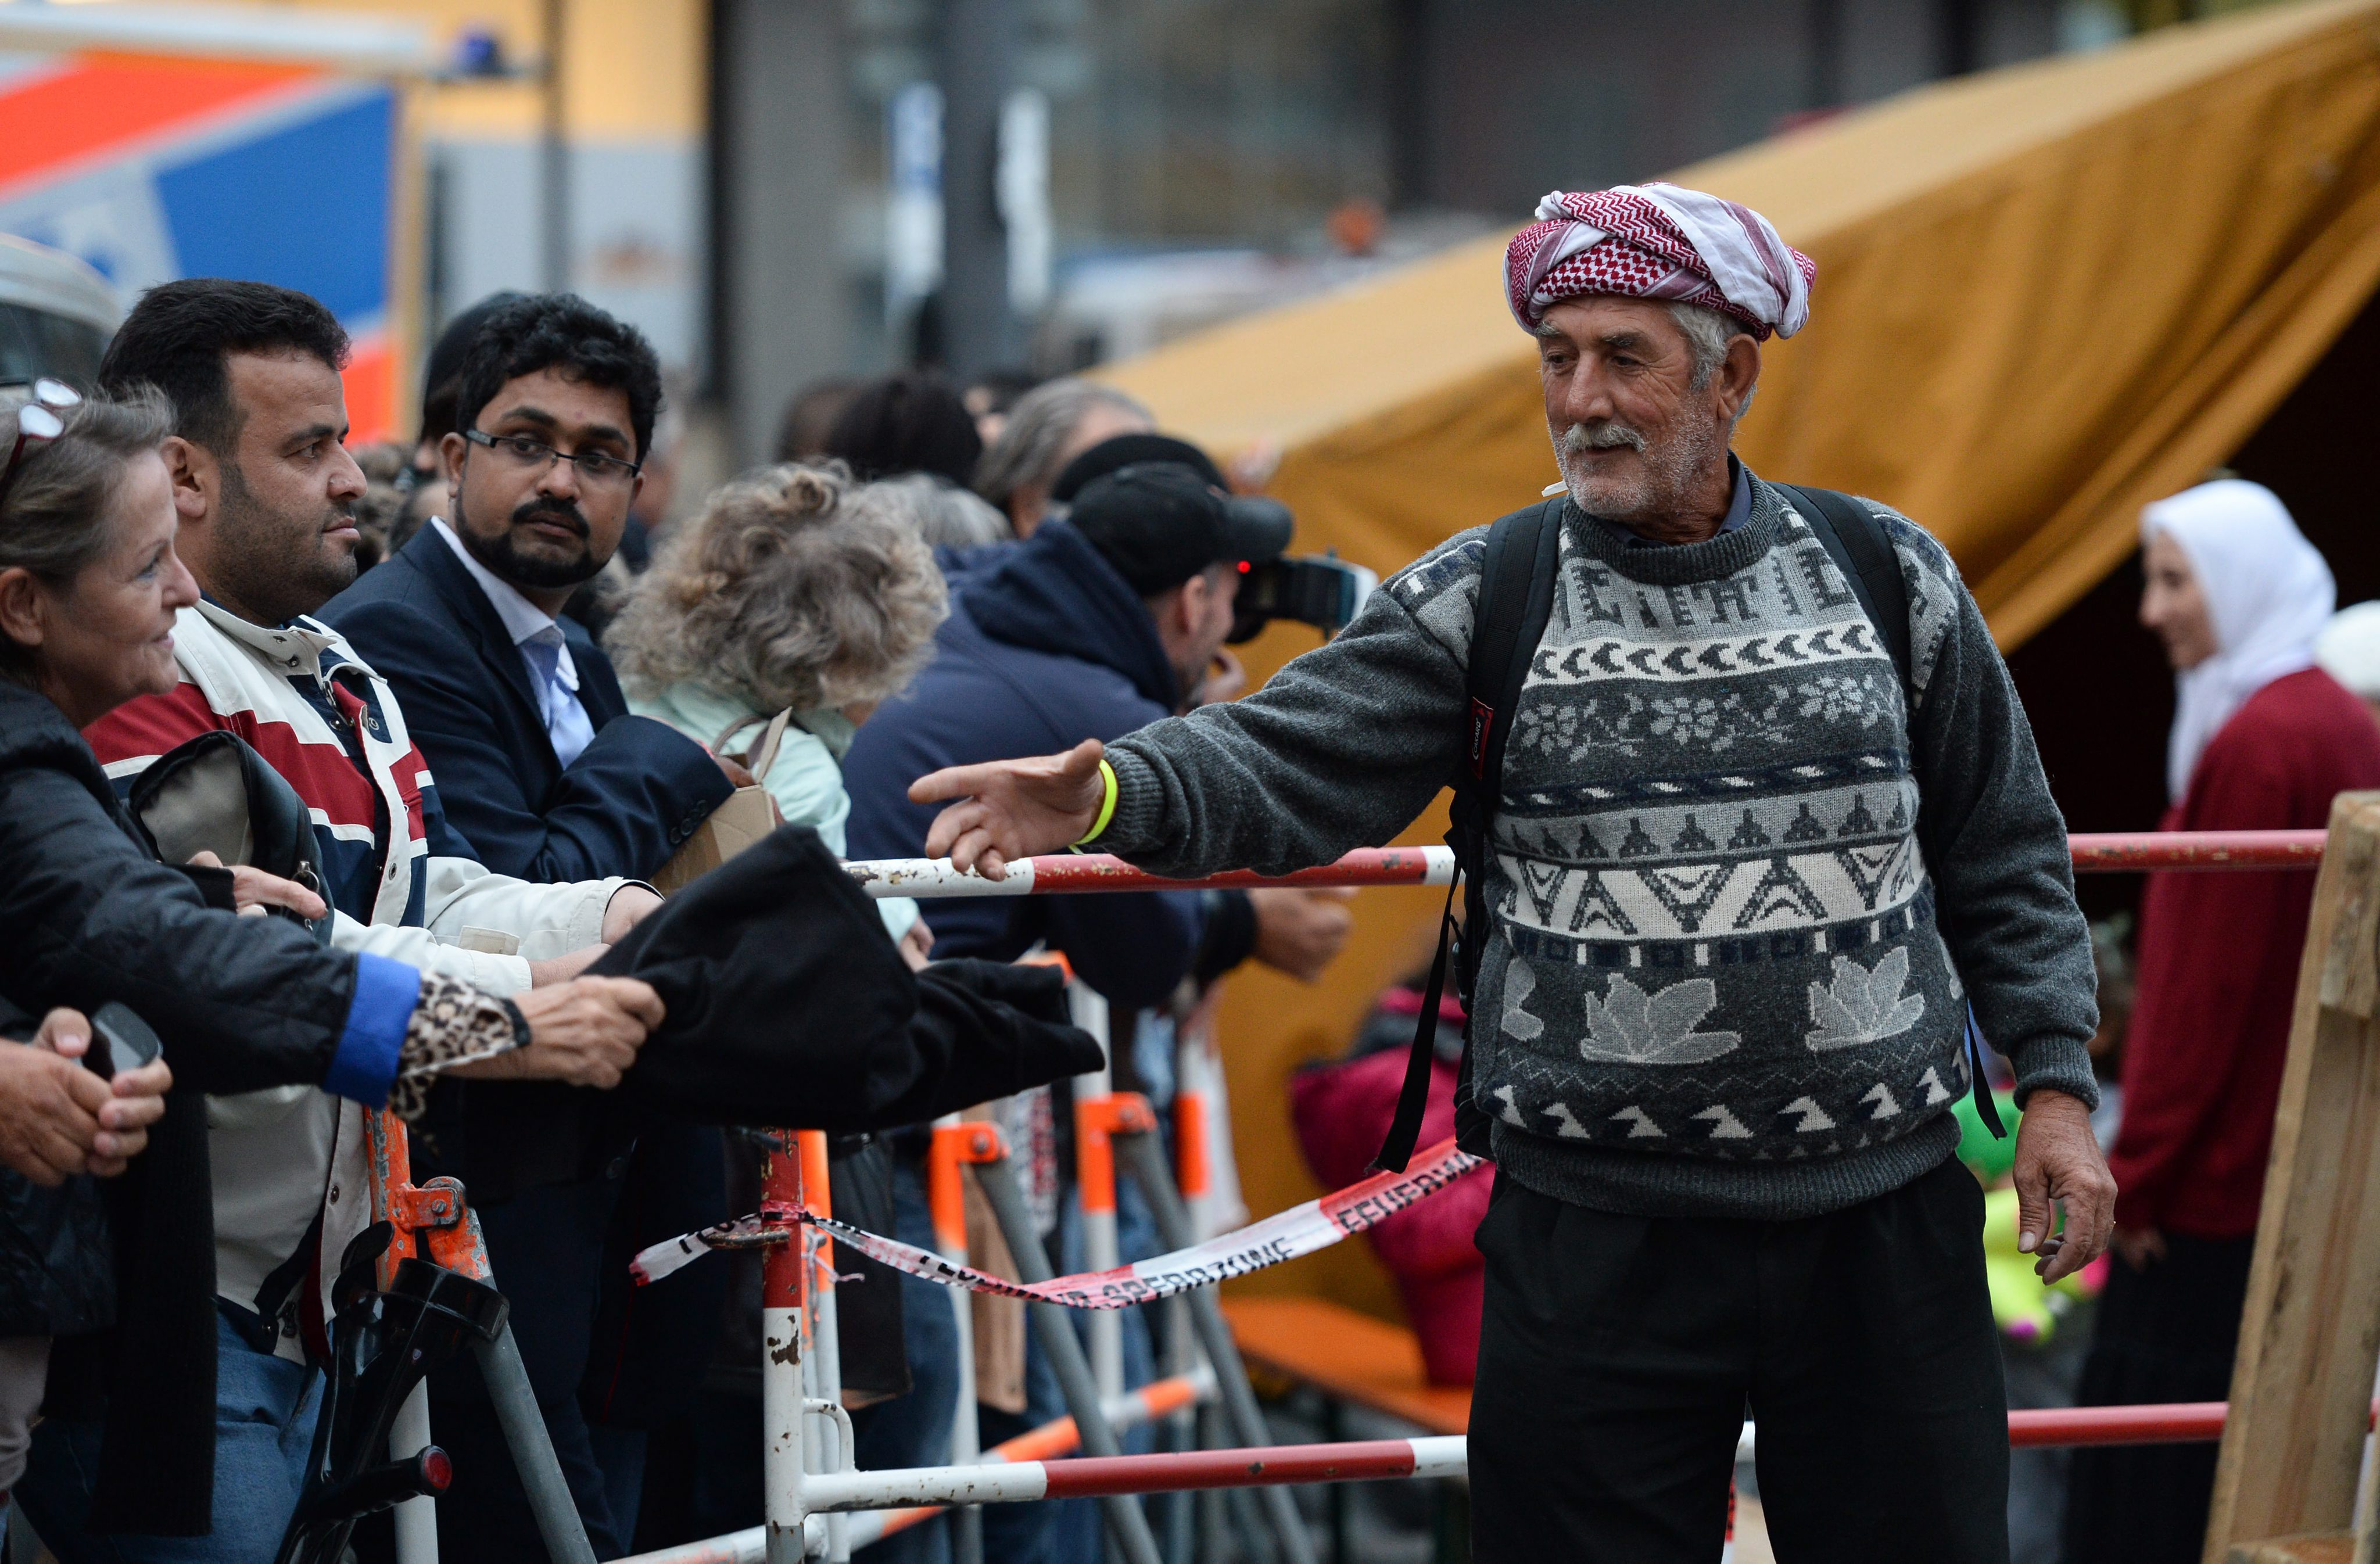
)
(86, 916)
(58, 1271)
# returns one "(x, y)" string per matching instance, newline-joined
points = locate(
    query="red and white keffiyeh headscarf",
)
(1658, 241)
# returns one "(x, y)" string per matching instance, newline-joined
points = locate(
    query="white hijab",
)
(2268, 593)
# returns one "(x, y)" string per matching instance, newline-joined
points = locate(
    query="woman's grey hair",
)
(945, 517)
(1030, 446)
(794, 588)
(54, 522)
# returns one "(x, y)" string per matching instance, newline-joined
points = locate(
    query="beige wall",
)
(633, 69)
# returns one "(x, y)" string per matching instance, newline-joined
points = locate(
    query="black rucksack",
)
(1516, 592)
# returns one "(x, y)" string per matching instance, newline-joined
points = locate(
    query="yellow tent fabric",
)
(2046, 296)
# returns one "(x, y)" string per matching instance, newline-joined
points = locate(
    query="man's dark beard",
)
(269, 568)
(535, 572)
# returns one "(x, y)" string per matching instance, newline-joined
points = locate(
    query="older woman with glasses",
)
(89, 586)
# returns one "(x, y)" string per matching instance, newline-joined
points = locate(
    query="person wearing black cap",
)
(1107, 619)
(1095, 624)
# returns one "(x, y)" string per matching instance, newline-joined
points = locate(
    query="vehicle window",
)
(34, 342)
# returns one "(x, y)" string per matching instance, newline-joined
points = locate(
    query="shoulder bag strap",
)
(1515, 599)
(1856, 542)
(763, 755)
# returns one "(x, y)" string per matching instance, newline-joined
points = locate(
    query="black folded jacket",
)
(789, 1007)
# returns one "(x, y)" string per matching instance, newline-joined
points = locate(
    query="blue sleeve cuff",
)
(364, 1068)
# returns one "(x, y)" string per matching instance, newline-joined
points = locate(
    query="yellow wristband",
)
(1107, 805)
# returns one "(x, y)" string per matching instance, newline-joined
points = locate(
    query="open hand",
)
(252, 890)
(2058, 1163)
(585, 1032)
(1012, 809)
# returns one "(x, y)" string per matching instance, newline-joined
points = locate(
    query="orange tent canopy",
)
(2046, 296)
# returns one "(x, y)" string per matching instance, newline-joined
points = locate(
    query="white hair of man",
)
(1033, 448)
(944, 516)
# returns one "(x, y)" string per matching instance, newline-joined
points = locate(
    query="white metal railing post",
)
(784, 1507)
(822, 1350)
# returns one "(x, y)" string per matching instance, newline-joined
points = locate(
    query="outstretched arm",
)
(1340, 749)
(1009, 809)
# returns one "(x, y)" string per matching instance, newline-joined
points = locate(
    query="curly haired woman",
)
(795, 591)
(799, 591)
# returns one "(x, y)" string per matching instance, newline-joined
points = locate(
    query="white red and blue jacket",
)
(402, 885)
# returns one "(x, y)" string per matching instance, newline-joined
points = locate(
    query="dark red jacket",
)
(1341, 1110)
(2218, 964)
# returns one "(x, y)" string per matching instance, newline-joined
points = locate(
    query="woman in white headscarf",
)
(2262, 739)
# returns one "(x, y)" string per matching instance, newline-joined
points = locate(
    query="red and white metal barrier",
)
(1357, 1460)
(1052, 1440)
(1074, 873)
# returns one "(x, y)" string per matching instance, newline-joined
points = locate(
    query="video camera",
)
(1322, 590)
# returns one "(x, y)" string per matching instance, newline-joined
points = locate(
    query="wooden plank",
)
(2310, 1331)
(1352, 1356)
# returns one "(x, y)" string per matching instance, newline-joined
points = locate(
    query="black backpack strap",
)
(1516, 594)
(1856, 540)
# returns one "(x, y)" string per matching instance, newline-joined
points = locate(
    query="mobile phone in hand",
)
(120, 1040)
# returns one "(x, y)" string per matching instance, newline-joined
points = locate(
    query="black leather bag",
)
(215, 794)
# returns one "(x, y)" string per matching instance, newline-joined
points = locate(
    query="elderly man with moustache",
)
(1745, 886)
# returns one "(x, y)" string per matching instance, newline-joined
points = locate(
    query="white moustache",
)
(1602, 437)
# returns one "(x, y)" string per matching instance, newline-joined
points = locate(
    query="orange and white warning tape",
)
(1300, 1231)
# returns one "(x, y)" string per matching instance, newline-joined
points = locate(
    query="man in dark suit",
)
(545, 772)
(549, 777)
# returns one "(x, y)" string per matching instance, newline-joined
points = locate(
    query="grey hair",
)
(56, 522)
(944, 516)
(1707, 333)
(794, 588)
(1033, 441)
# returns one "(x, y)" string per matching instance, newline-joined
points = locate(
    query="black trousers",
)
(1619, 1355)
(2165, 1334)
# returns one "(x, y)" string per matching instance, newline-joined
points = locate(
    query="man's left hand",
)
(2058, 1163)
(629, 907)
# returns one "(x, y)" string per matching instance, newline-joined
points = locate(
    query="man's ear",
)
(21, 603)
(1028, 506)
(1738, 374)
(1171, 609)
(196, 476)
(451, 449)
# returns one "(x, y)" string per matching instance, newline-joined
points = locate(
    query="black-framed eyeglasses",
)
(40, 419)
(536, 455)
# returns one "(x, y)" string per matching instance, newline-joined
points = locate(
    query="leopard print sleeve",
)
(452, 1023)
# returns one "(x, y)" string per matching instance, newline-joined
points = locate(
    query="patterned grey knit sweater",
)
(1741, 897)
